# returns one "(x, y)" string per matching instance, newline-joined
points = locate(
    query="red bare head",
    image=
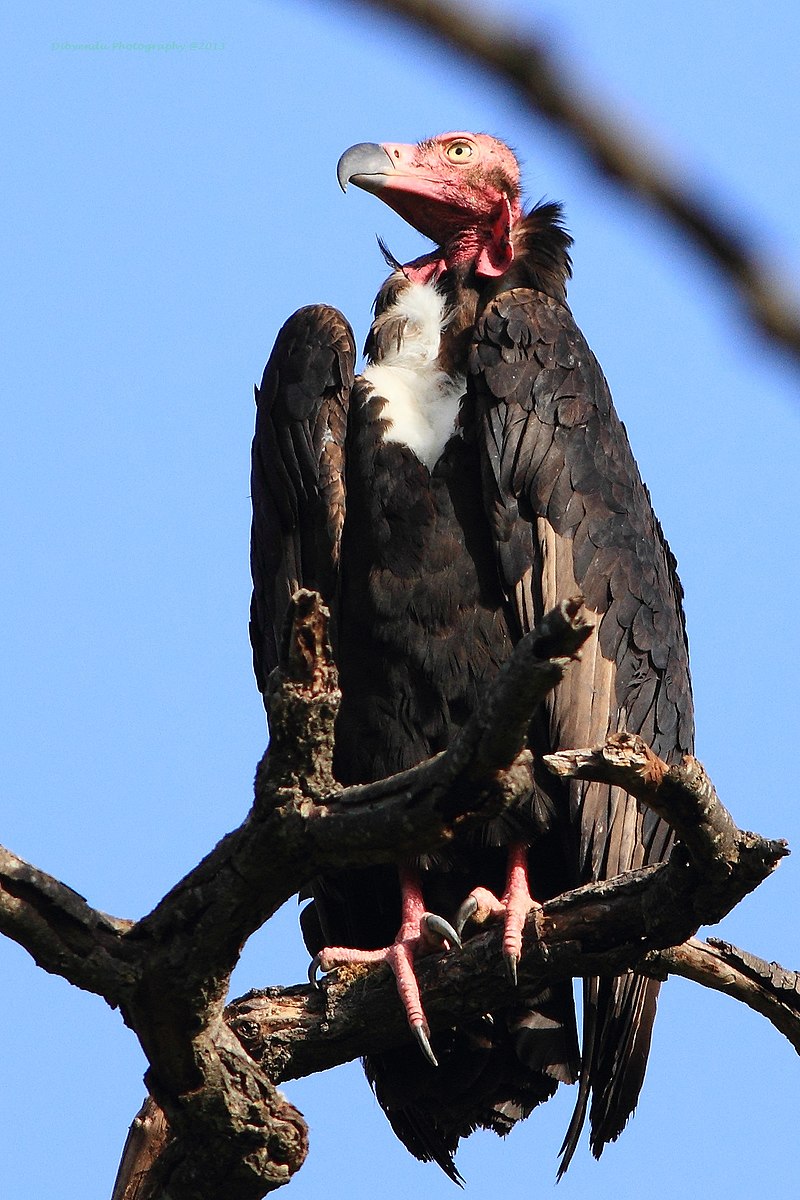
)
(460, 189)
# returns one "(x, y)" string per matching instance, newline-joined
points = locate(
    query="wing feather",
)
(569, 512)
(297, 479)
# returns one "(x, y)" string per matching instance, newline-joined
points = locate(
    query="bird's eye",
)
(459, 152)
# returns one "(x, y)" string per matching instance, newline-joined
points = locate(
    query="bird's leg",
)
(481, 906)
(420, 933)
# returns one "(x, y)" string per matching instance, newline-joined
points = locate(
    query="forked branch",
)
(631, 921)
(232, 1134)
(222, 1128)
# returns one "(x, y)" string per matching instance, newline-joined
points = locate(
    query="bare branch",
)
(146, 1140)
(551, 91)
(298, 1031)
(498, 730)
(685, 797)
(602, 928)
(231, 1131)
(766, 987)
(599, 929)
(64, 934)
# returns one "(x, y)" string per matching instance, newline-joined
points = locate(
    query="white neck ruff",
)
(421, 399)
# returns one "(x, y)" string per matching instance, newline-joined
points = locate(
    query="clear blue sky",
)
(162, 212)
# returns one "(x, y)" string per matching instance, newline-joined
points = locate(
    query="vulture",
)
(474, 474)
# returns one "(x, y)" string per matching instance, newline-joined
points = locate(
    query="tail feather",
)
(620, 1074)
(491, 1074)
(571, 1137)
(617, 1031)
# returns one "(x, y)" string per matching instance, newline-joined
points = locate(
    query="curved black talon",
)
(423, 1041)
(466, 911)
(439, 928)
(313, 967)
(511, 961)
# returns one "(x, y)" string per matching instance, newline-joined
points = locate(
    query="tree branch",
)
(213, 1074)
(62, 933)
(685, 797)
(232, 1132)
(599, 929)
(550, 90)
(297, 1031)
(767, 988)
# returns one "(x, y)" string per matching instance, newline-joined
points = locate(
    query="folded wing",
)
(297, 481)
(570, 514)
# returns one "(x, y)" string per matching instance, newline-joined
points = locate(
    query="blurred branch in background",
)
(549, 87)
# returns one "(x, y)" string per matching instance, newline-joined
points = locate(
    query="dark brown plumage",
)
(436, 553)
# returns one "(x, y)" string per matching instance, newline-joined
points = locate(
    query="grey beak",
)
(366, 165)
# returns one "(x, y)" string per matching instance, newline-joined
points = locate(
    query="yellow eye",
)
(459, 152)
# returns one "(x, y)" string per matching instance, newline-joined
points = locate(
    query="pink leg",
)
(420, 933)
(481, 906)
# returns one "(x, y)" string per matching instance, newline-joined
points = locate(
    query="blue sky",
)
(163, 212)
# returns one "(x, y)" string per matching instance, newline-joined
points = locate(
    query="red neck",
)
(488, 246)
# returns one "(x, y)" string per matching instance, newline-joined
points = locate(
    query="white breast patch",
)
(421, 399)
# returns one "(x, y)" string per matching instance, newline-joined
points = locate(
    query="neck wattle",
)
(486, 246)
(426, 269)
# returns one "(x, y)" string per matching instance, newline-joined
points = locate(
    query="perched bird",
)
(473, 475)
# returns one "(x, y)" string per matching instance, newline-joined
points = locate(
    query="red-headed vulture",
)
(471, 477)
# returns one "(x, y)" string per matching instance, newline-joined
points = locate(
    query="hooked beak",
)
(367, 165)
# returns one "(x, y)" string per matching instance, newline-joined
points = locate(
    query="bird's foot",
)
(514, 908)
(420, 933)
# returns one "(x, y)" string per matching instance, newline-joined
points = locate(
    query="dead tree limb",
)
(631, 921)
(232, 1133)
(213, 1072)
(601, 928)
(550, 90)
(766, 987)
(684, 796)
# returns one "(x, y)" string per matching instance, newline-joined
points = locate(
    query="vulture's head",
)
(459, 189)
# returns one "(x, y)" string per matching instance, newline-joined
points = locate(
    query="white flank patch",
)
(421, 399)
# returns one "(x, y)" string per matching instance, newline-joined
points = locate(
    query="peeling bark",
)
(216, 1125)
